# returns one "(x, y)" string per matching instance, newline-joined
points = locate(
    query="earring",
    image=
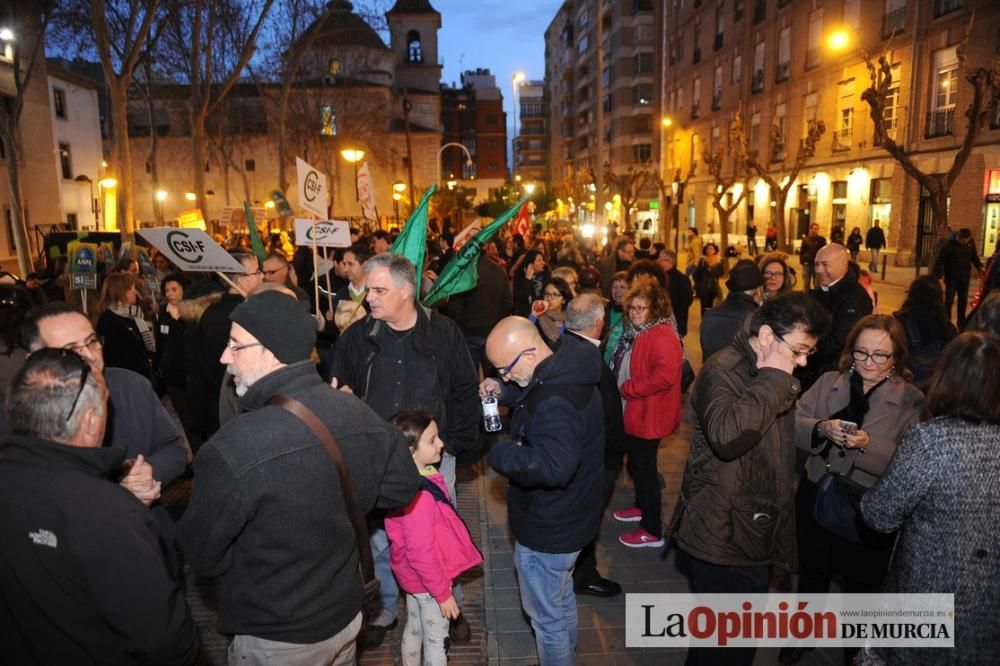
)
(854, 366)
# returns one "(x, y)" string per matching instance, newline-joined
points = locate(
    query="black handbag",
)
(838, 506)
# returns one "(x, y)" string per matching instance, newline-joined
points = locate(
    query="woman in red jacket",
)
(647, 363)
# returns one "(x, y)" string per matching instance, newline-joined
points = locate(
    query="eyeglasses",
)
(235, 348)
(67, 352)
(878, 357)
(798, 352)
(638, 308)
(551, 294)
(507, 369)
(772, 274)
(270, 273)
(93, 343)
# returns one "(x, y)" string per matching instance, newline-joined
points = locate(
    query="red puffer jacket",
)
(653, 391)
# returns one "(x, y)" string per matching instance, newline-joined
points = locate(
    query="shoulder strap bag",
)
(357, 517)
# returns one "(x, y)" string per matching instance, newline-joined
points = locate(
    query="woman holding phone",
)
(849, 423)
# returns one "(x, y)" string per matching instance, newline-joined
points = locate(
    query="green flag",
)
(462, 272)
(412, 242)
(255, 241)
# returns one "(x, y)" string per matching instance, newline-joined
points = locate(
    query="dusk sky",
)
(505, 36)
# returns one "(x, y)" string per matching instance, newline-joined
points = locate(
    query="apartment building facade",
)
(601, 80)
(531, 145)
(472, 116)
(786, 63)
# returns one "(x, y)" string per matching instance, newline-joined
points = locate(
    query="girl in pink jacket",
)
(431, 546)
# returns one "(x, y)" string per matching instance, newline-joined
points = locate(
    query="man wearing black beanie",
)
(267, 511)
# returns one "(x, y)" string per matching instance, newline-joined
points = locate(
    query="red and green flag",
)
(255, 242)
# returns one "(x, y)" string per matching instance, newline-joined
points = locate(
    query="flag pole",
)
(316, 266)
(329, 284)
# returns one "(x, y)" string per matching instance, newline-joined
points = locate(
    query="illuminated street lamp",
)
(529, 188)
(161, 195)
(190, 196)
(353, 155)
(397, 193)
(667, 121)
(838, 40)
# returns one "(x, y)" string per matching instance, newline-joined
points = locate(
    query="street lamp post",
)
(468, 157)
(397, 193)
(353, 155)
(516, 81)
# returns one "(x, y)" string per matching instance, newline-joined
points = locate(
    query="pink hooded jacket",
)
(431, 546)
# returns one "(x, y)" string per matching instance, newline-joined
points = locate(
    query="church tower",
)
(413, 36)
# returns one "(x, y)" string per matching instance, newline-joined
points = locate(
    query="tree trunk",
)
(663, 224)
(723, 228)
(778, 216)
(14, 187)
(118, 94)
(198, 157)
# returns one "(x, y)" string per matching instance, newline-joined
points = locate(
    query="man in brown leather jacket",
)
(736, 510)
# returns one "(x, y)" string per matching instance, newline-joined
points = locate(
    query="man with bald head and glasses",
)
(84, 569)
(554, 462)
(137, 420)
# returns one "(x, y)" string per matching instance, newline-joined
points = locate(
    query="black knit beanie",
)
(279, 322)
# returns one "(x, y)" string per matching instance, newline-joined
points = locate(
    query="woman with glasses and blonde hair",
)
(647, 364)
(849, 423)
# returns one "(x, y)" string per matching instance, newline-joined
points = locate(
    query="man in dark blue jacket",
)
(554, 461)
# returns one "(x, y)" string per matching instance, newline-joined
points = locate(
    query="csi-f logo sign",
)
(191, 251)
(311, 187)
(319, 232)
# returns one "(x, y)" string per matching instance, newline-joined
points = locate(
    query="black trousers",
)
(585, 569)
(708, 578)
(961, 288)
(642, 469)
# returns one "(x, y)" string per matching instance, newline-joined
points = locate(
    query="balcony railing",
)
(695, 110)
(940, 123)
(942, 7)
(813, 57)
(697, 56)
(893, 22)
(717, 44)
(717, 100)
(782, 72)
(757, 84)
(843, 139)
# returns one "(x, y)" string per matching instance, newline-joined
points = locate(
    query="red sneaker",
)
(629, 515)
(640, 538)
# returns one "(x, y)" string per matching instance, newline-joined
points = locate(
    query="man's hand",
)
(489, 385)
(336, 385)
(139, 481)
(773, 356)
(449, 609)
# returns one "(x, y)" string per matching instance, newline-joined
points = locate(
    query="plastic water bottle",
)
(491, 413)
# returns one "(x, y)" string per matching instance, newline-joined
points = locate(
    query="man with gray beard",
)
(267, 512)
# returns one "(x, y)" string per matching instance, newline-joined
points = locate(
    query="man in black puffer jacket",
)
(721, 324)
(554, 461)
(267, 511)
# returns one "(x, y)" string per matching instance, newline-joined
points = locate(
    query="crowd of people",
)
(323, 418)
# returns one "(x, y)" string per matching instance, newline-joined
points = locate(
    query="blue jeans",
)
(388, 590)
(546, 584)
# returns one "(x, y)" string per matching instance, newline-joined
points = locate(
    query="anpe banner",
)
(82, 265)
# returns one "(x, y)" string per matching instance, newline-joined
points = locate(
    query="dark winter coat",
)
(940, 492)
(721, 324)
(84, 575)
(123, 345)
(847, 302)
(737, 500)
(205, 341)
(875, 239)
(267, 511)
(171, 350)
(681, 298)
(477, 311)
(453, 382)
(956, 259)
(614, 415)
(554, 456)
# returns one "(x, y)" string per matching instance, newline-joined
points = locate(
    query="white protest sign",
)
(324, 233)
(191, 250)
(366, 192)
(312, 189)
